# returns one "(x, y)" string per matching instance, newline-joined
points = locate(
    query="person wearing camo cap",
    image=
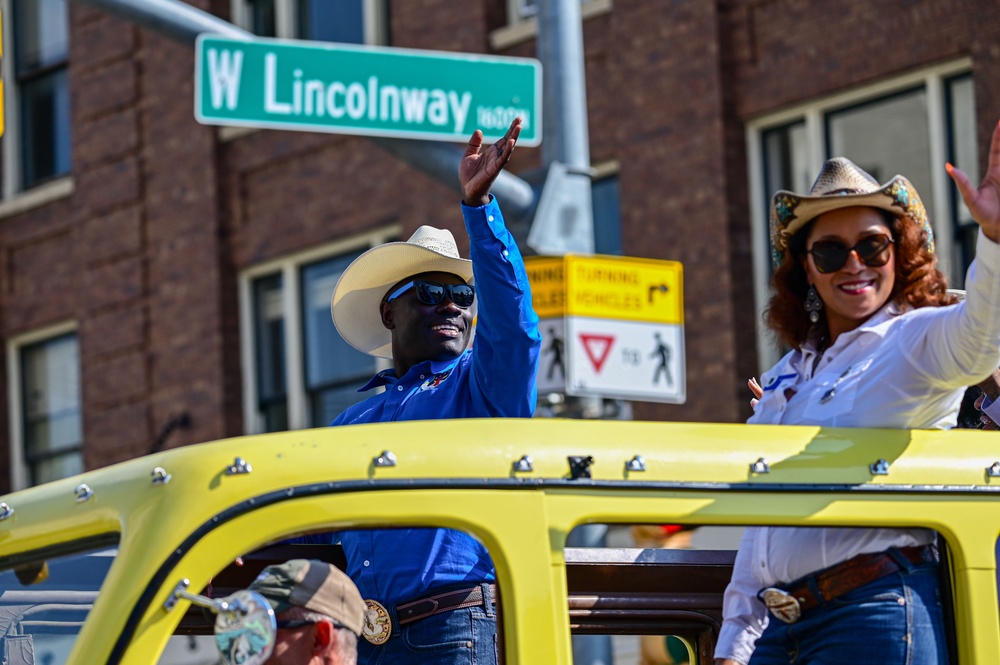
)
(319, 613)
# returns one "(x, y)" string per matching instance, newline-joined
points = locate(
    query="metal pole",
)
(564, 219)
(564, 98)
(440, 161)
(172, 18)
(182, 22)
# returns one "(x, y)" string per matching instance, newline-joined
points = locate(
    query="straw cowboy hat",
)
(842, 184)
(360, 290)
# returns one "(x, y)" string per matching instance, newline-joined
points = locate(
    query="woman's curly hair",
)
(918, 282)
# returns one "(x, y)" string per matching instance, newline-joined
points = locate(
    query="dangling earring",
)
(813, 304)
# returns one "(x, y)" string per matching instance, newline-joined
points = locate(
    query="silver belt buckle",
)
(781, 604)
(378, 625)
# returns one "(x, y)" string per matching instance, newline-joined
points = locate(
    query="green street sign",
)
(403, 93)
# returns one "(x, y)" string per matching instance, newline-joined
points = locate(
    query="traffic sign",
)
(625, 359)
(624, 288)
(404, 93)
(611, 326)
(548, 285)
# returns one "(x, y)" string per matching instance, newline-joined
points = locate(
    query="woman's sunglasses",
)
(432, 293)
(831, 255)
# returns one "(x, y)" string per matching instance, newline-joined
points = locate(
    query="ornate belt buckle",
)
(781, 604)
(378, 623)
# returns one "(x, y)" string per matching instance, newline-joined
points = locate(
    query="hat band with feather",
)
(842, 184)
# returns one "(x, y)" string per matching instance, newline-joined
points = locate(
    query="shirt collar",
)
(874, 324)
(387, 377)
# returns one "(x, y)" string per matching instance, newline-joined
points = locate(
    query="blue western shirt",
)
(496, 377)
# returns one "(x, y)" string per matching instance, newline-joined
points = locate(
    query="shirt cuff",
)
(735, 643)
(992, 409)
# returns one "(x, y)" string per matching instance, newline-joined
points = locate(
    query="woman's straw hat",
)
(842, 184)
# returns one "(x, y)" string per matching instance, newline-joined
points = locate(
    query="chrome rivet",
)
(637, 463)
(83, 492)
(239, 466)
(386, 459)
(524, 465)
(5, 511)
(760, 466)
(879, 468)
(160, 476)
(993, 471)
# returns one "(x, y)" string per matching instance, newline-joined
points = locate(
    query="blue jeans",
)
(466, 636)
(895, 620)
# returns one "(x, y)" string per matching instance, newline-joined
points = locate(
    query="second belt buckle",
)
(378, 623)
(782, 604)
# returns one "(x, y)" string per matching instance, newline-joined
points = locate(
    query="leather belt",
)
(788, 602)
(415, 610)
(377, 628)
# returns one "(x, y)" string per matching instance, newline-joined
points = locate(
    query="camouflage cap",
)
(312, 585)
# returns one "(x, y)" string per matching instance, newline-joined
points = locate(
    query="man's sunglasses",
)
(432, 293)
(831, 255)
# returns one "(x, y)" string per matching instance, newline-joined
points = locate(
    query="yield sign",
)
(597, 348)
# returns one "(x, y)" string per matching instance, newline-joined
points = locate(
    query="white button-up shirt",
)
(905, 370)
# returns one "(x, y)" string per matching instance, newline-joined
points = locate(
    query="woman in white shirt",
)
(861, 303)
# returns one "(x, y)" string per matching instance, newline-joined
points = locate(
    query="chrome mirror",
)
(245, 629)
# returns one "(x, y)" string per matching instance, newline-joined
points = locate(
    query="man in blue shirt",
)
(431, 592)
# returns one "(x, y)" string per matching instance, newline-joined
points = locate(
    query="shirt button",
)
(421, 376)
(506, 253)
(367, 563)
(490, 218)
(399, 388)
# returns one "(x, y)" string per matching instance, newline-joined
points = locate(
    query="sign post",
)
(391, 92)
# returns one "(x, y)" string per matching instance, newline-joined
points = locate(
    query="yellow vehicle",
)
(100, 568)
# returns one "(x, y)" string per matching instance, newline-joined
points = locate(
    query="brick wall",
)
(146, 252)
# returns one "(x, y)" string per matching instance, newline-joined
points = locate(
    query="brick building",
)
(164, 283)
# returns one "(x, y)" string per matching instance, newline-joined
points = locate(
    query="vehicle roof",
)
(483, 453)
(476, 475)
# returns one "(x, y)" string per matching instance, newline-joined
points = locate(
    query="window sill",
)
(37, 197)
(504, 38)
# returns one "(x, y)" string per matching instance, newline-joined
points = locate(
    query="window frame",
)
(12, 147)
(813, 114)
(286, 21)
(290, 267)
(19, 472)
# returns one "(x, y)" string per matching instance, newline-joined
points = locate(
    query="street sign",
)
(611, 326)
(625, 359)
(403, 93)
(548, 285)
(624, 288)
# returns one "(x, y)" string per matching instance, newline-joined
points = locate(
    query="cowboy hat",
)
(842, 184)
(363, 285)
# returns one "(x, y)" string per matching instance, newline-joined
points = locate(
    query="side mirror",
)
(245, 627)
(246, 630)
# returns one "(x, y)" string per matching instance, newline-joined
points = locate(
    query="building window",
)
(908, 126)
(606, 204)
(298, 370)
(46, 424)
(37, 139)
(345, 21)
